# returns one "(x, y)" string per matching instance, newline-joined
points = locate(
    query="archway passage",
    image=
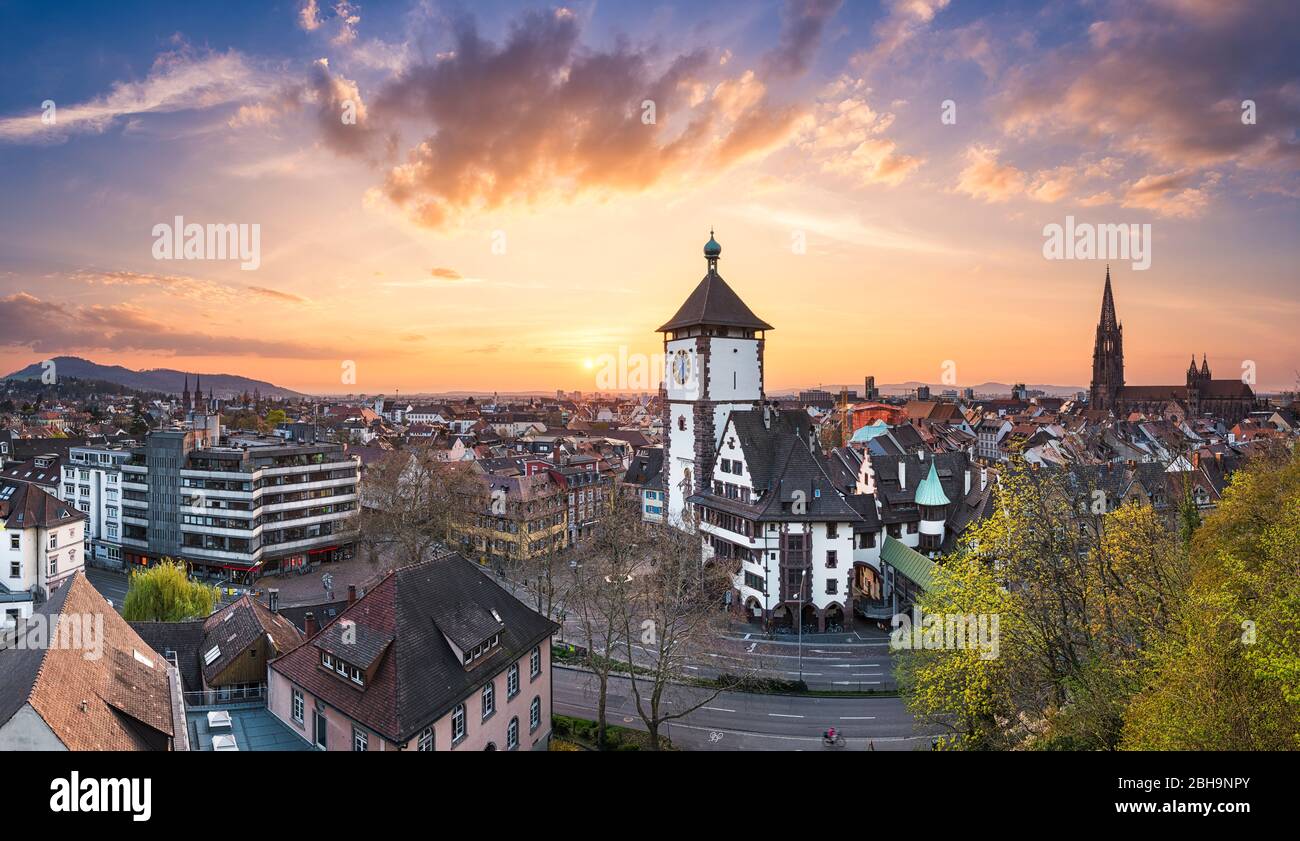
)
(835, 618)
(811, 618)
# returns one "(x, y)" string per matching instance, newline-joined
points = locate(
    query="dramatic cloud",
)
(309, 15)
(540, 117)
(341, 112)
(984, 177)
(846, 137)
(802, 24)
(178, 81)
(1165, 84)
(904, 20)
(53, 327)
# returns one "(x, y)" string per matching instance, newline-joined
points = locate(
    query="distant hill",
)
(155, 379)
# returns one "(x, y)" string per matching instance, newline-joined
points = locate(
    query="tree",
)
(164, 593)
(598, 596)
(673, 611)
(1227, 675)
(414, 501)
(961, 691)
(275, 417)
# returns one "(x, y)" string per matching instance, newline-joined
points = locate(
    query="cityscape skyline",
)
(813, 137)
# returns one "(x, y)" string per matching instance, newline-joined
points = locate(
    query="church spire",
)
(185, 395)
(1108, 320)
(1205, 365)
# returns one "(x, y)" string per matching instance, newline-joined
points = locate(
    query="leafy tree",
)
(164, 593)
(275, 417)
(1227, 676)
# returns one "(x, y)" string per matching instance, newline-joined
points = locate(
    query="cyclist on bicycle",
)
(829, 735)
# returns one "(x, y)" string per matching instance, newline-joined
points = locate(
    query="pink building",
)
(434, 657)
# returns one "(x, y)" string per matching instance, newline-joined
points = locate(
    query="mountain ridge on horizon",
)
(165, 380)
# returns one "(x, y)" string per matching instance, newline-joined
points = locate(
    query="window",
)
(54, 565)
(832, 586)
(512, 734)
(535, 714)
(54, 540)
(535, 662)
(426, 740)
(832, 530)
(512, 680)
(15, 540)
(15, 569)
(489, 700)
(832, 558)
(360, 740)
(299, 708)
(458, 723)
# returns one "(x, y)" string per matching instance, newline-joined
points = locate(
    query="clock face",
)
(681, 367)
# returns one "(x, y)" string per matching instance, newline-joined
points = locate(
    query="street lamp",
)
(803, 576)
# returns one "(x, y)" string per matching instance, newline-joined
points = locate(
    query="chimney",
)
(352, 593)
(767, 416)
(902, 472)
(309, 626)
(273, 600)
(967, 482)
(984, 478)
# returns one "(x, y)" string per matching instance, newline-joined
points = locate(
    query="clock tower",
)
(713, 350)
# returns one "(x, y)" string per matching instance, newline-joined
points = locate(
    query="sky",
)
(507, 196)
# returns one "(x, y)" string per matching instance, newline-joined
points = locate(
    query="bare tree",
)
(414, 501)
(599, 593)
(674, 611)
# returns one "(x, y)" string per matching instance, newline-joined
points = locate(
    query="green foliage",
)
(164, 593)
(1227, 676)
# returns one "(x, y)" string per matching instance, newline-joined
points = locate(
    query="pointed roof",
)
(1108, 320)
(715, 303)
(930, 491)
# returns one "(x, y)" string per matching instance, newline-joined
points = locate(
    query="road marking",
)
(806, 674)
(857, 718)
(784, 715)
(720, 709)
(747, 636)
(857, 682)
(696, 668)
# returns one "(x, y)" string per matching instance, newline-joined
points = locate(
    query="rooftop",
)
(252, 725)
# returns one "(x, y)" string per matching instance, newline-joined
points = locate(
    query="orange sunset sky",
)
(521, 126)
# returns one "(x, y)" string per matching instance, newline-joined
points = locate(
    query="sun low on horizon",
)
(513, 196)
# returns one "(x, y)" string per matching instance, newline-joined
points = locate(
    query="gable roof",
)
(714, 302)
(419, 678)
(24, 505)
(121, 700)
(237, 627)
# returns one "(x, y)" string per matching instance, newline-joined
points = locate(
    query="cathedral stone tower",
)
(713, 350)
(1107, 355)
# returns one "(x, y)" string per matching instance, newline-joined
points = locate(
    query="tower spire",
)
(1108, 320)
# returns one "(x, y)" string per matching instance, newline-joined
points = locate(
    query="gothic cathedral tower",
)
(713, 351)
(1107, 356)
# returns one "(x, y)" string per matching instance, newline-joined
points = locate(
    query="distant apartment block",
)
(240, 505)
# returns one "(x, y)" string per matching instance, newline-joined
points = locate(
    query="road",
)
(858, 661)
(746, 721)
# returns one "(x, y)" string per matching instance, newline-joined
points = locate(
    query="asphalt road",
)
(746, 721)
(854, 661)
